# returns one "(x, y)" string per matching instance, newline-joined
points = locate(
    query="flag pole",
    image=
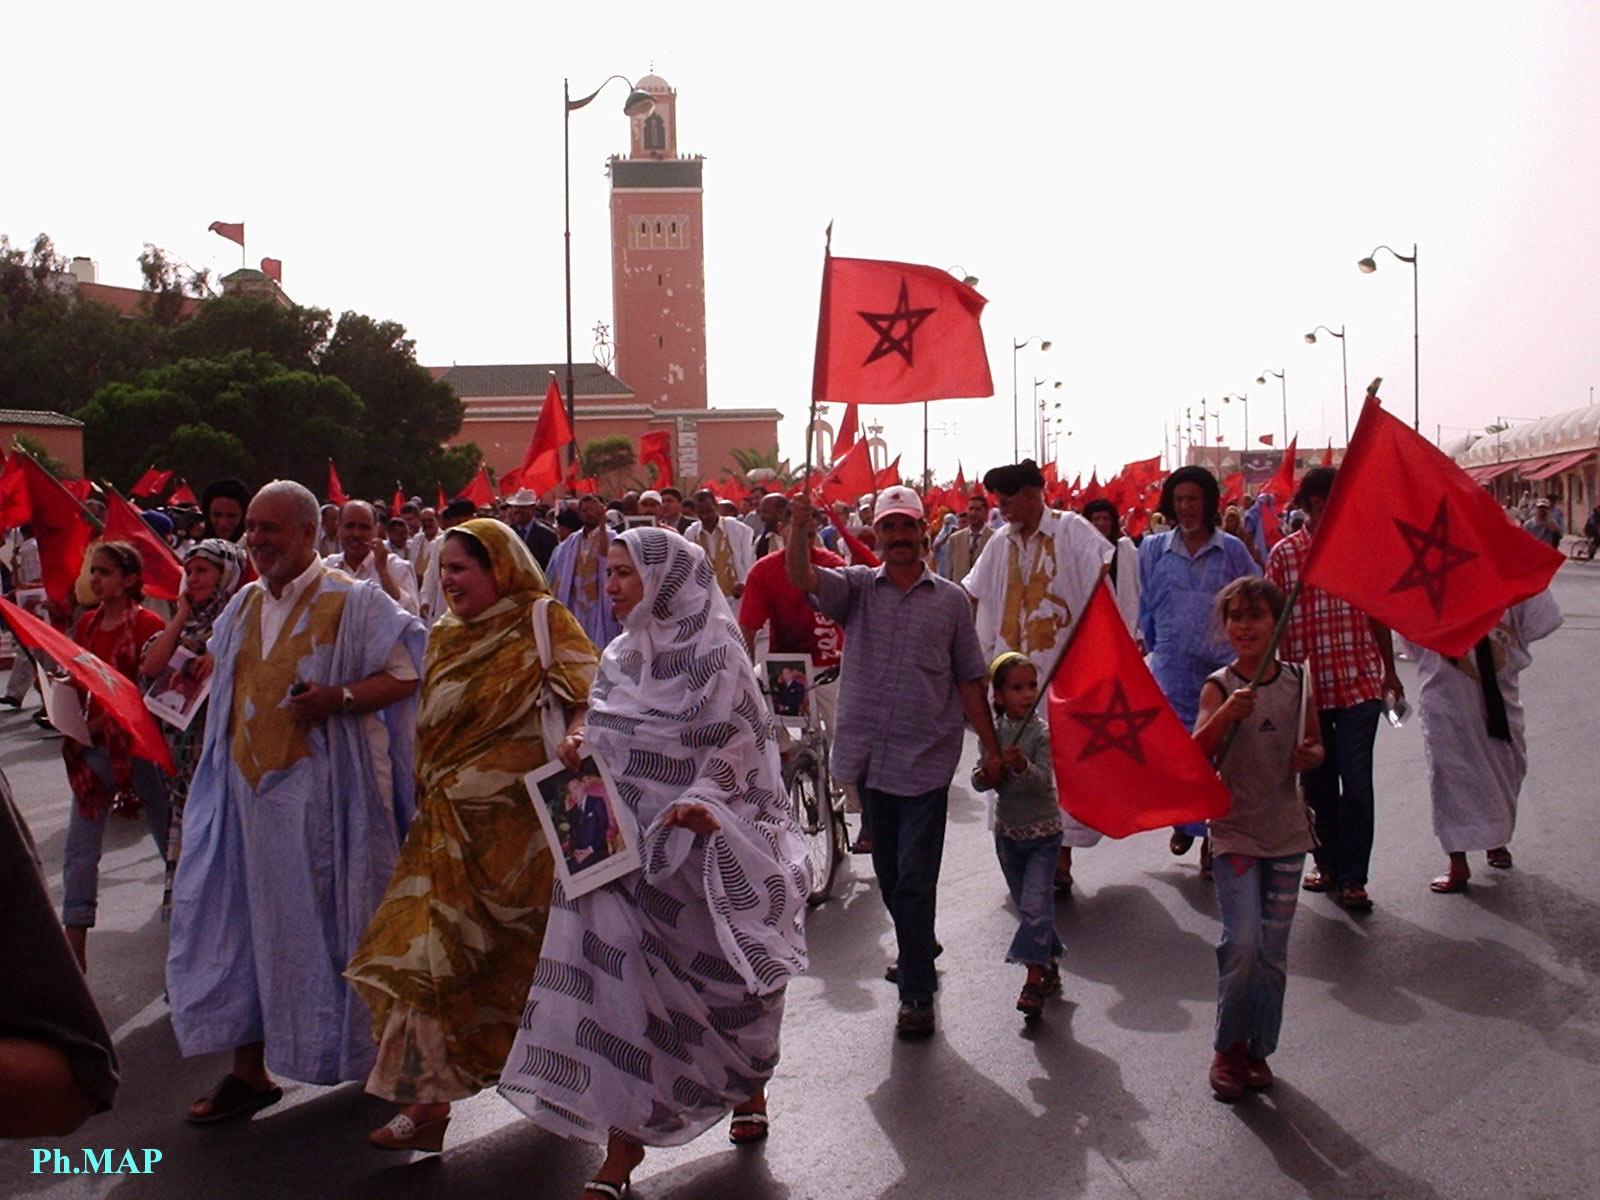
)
(1261, 670)
(822, 326)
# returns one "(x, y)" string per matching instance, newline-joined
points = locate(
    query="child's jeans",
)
(80, 869)
(1030, 870)
(1257, 906)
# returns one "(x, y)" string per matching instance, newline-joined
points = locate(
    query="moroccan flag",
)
(510, 481)
(851, 477)
(1233, 489)
(541, 466)
(397, 499)
(122, 701)
(1143, 471)
(889, 476)
(79, 489)
(587, 486)
(1411, 540)
(961, 482)
(163, 573)
(438, 504)
(61, 528)
(151, 484)
(1124, 762)
(1281, 485)
(1265, 439)
(272, 268)
(234, 233)
(479, 491)
(1327, 456)
(335, 488)
(15, 506)
(182, 494)
(656, 448)
(894, 333)
(849, 431)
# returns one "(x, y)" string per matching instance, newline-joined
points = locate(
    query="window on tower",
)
(668, 231)
(655, 132)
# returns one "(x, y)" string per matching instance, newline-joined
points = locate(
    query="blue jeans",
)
(1252, 957)
(1340, 792)
(1030, 870)
(907, 849)
(80, 868)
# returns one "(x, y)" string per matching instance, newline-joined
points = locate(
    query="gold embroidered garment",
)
(719, 549)
(1031, 618)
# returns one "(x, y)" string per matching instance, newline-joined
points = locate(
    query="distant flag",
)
(438, 506)
(182, 494)
(1265, 439)
(151, 484)
(849, 426)
(272, 268)
(335, 488)
(479, 491)
(552, 434)
(1327, 456)
(961, 480)
(1281, 485)
(234, 233)
(851, 477)
(397, 500)
(889, 476)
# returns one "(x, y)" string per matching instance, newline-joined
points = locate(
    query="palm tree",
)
(765, 460)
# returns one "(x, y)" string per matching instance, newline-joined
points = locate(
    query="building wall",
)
(658, 293)
(60, 441)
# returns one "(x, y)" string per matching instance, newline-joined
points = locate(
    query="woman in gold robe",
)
(446, 961)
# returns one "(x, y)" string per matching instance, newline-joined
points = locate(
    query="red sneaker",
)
(1227, 1076)
(1257, 1075)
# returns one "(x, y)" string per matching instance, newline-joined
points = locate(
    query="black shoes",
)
(915, 1020)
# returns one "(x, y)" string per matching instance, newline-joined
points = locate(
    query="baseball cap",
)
(650, 494)
(897, 501)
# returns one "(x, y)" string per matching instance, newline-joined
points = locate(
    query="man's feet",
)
(915, 1019)
(1227, 1076)
(1257, 1075)
(892, 971)
(1031, 1002)
(234, 1099)
(415, 1127)
(1180, 842)
(1500, 858)
(1449, 884)
(1316, 881)
(1353, 898)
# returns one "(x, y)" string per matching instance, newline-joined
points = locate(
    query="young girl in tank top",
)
(1259, 847)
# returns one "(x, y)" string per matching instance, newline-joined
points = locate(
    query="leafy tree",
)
(455, 466)
(35, 450)
(169, 285)
(752, 460)
(606, 458)
(295, 336)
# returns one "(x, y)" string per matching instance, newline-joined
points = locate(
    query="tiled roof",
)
(531, 379)
(26, 416)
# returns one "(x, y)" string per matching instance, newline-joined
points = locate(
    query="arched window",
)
(655, 132)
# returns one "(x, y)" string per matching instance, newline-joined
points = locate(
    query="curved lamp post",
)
(1262, 379)
(1244, 400)
(1016, 421)
(1038, 406)
(1367, 266)
(1344, 368)
(638, 104)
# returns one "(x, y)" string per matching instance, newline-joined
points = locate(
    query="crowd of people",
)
(362, 885)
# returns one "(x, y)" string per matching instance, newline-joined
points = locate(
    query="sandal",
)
(1500, 858)
(610, 1191)
(755, 1128)
(234, 1099)
(1448, 885)
(1316, 881)
(1353, 898)
(402, 1133)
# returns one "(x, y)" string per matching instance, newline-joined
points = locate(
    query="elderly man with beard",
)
(1180, 573)
(1029, 586)
(367, 554)
(578, 573)
(294, 819)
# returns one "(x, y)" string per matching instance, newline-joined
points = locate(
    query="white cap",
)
(650, 494)
(521, 497)
(897, 501)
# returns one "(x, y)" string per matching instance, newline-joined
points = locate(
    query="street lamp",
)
(970, 280)
(638, 104)
(1344, 367)
(1038, 404)
(1244, 400)
(1262, 379)
(1016, 420)
(1367, 266)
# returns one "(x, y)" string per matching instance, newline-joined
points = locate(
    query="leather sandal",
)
(1448, 885)
(1353, 897)
(1316, 881)
(233, 1100)
(1500, 858)
(755, 1128)
(608, 1191)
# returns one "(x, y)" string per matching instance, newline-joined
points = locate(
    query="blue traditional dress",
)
(578, 576)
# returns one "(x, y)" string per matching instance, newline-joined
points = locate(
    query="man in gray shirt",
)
(911, 670)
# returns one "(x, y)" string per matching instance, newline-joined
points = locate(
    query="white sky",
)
(1174, 193)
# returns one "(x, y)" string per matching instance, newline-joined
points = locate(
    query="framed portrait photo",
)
(592, 834)
(177, 694)
(639, 521)
(789, 679)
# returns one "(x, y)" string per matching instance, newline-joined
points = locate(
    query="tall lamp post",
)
(1367, 266)
(1262, 379)
(638, 104)
(1016, 420)
(970, 280)
(1344, 368)
(1038, 407)
(1244, 401)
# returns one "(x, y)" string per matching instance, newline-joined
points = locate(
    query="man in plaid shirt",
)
(1352, 666)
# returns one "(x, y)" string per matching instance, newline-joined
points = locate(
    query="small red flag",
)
(182, 494)
(272, 268)
(1411, 540)
(656, 448)
(889, 476)
(151, 484)
(60, 528)
(438, 504)
(849, 431)
(510, 481)
(895, 333)
(851, 477)
(1281, 486)
(335, 488)
(163, 573)
(1233, 489)
(15, 506)
(398, 499)
(587, 486)
(541, 466)
(1124, 762)
(479, 491)
(961, 482)
(1265, 439)
(234, 233)
(121, 700)
(1327, 456)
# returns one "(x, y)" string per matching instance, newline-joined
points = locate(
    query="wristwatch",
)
(347, 700)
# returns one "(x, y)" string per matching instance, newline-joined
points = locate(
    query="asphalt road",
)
(1441, 1047)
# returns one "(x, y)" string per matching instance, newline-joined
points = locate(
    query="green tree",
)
(752, 460)
(35, 450)
(169, 286)
(295, 336)
(606, 458)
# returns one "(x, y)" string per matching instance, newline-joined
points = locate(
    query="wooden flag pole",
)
(1261, 670)
(822, 321)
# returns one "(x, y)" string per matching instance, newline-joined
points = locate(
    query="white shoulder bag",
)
(552, 715)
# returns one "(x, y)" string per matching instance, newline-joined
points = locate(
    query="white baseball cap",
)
(897, 501)
(650, 494)
(522, 497)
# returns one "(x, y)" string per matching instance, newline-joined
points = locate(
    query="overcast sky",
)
(1173, 193)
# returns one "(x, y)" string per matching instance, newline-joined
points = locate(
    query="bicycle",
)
(1581, 550)
(818, 808)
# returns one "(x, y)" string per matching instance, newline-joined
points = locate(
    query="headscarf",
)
(228, 557)
(678, 716)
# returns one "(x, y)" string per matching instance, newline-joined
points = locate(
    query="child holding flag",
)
(1259, 846)
(1027, 826)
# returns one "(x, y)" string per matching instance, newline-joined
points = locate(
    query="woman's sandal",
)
(1448, 885)
(609, 1191)
(402, 1133)
(755, 1128)
(234, 1099)
(1500, 858)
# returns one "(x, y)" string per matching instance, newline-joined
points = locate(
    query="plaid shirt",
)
(1337, 640)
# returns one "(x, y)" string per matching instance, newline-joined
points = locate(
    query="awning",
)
(1561, 463)
(1493, 471)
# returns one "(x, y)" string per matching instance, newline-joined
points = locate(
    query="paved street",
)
(1440, 1047)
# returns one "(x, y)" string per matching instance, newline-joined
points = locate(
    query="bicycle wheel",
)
(814, 815)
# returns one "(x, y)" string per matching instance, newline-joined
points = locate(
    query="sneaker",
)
(11, 701)
(1257, 1075)
(892, 971)
(1227, 1077)
(915, 1019)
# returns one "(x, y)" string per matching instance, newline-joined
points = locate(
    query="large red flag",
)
(335, 488)
(122, 701)
(479, 491)
(233, 232)
(1281, 486)
(151, 484)
(849, 431)
(656, 448)
(541, 466)
(1124, 762)
(162, 576)
(894, 333)
(15, 506)
(1411, 540)
(59, 526)
(889, 476)
(851, 477)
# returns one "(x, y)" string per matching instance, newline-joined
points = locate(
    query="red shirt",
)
(1346, 665)
(796, 627)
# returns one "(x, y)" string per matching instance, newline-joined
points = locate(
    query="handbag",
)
(552, 716)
